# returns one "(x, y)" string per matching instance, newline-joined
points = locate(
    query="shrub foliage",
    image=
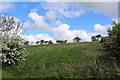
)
(112, 41)
(12, 44)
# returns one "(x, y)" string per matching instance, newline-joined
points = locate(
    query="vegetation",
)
(12, 44)
(70, 60)
(96, 38)
(76, 39)
(50, 42)
(37, 42)
(61, 41)
(66, 60)
(93, 38)
(26, 42)
(41, 41)
(112, 42)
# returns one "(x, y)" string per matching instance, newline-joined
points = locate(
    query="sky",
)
(62, 20)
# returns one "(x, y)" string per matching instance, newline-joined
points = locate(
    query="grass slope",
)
(70, 60)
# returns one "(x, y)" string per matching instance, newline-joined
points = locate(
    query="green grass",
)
(56, 61)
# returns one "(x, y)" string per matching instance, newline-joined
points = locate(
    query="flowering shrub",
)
(13, 49)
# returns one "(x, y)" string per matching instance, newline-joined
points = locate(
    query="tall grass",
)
(71, 60)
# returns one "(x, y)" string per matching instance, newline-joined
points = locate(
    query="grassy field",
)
(70, 60)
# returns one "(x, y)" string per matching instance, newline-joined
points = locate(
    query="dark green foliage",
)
(37, 42)
(26, 42)
(96, 38)
(76, 39)
(61, 41)
(103, 39)
(93, 38)
(65, 41)
(58, 41)
(46, 42)
(50, 42)
(112, 42)
(41, 41)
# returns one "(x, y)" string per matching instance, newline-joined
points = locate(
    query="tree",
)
(13, 49)
(76, 39)
(98, 37)
(46, 42)
(50, 42)
(26, 43)
(61, 41)
(41, 41)
(93, 38)
(58, 41)
(65, 41)
(37, 42)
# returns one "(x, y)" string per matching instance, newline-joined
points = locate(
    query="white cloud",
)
(74, 9)
(38, 37)
(82, 34)
(63, 32)
(27, 25)
(58, 22)
(116, 20)
(96, 33)
(106, 8)
(40, 23)
(100, 28)
(30, 38)
(45, 37)
(5, 6)
(71, 14)
(63, 9)
(51, 15)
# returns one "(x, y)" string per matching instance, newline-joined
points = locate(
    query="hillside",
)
(70, 60)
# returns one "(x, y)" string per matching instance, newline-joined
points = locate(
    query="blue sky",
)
(53, 21)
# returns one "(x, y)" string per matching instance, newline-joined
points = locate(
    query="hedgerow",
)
(112, 41)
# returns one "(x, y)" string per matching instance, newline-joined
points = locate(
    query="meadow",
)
(67, 60)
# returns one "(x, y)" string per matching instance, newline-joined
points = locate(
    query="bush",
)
(112, 42)
(13, 49)
(103, 39)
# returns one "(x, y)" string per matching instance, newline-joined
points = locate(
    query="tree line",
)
(76, 39)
